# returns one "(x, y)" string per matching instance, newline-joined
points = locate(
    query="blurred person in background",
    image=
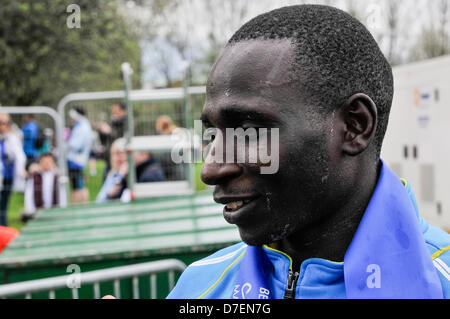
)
(12, 160)
(41, 189)
(30, 132)
(119, 167)
(111, 132)
(148, 170)
(173, 171)
(164, 125)
(79, 148)
(45, 140)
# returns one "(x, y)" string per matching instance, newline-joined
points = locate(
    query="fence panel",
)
(139, 274)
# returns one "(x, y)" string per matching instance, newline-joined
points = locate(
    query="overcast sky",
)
(193, 22)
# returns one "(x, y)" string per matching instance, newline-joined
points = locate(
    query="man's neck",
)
(330, 238)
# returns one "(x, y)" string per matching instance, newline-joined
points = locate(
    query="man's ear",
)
(360, 116)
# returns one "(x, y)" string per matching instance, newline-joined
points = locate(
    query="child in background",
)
(42, 189)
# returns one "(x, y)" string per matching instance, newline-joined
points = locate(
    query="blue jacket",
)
(30, 134)
(215, 276)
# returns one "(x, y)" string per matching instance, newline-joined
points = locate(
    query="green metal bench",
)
(100, 236)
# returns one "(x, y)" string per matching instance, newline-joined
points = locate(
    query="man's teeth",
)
(235, 205)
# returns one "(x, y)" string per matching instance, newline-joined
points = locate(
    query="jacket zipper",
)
(289, 293)
(291, 285)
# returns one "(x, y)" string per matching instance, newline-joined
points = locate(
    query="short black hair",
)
(335, 51)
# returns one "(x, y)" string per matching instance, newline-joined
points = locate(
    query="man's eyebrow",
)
(240, 112)
(233, 114)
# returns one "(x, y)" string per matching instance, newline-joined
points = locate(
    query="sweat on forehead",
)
(252, 63)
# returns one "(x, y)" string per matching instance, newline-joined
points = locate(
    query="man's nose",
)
(218, 173)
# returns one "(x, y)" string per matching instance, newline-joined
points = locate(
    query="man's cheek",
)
(260, 151)
(269, 151)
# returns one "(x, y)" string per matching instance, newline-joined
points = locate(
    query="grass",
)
(94, 183)
(16, 205)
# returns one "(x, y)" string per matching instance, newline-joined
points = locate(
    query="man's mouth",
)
(234, 206)
(237, 208)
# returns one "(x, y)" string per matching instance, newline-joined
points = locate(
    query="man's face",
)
(250, 86)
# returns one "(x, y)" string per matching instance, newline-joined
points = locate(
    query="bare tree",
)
(392, 22)
(444, 9)
(145, 16)
(224, 17)
(433, 40)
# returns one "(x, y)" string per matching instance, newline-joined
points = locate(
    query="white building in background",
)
(417, 142)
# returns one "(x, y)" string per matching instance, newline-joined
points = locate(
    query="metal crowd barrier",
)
(96, 277)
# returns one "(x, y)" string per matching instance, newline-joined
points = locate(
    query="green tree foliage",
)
(41, 59)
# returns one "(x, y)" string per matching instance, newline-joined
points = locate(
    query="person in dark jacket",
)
(148, 170)
(108, 133)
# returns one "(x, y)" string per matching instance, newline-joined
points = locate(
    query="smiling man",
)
(333, 221)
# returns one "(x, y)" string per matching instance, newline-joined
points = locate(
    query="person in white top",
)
(79, 147)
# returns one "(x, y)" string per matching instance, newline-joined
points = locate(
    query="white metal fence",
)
(115, 274)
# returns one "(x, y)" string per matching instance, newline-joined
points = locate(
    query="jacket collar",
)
(388, 257)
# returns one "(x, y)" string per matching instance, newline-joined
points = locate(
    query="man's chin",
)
(253, 239)
(264, 236)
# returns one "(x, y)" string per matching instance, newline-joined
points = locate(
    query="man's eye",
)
(247, 125)
(211, 133)
(250, 131)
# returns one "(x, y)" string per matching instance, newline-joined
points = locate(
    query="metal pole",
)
(127, 71)
(59, 128)
(187, 110)
(188, 123)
